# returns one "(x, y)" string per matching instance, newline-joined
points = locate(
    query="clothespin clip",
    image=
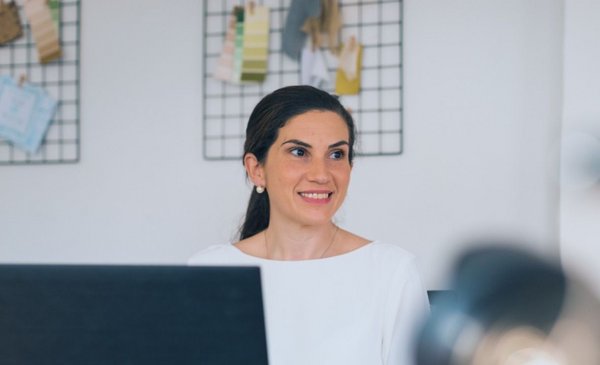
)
(22, 80)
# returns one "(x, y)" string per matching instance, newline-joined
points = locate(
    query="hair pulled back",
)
(268, 116)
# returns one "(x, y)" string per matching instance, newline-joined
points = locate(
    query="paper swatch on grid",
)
(256, 43)
(44, 30)
(25, 113)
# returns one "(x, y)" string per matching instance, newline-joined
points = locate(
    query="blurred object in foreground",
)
(511, 308)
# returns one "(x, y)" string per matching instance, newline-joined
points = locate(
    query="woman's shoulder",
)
(214, 254)
(391, 250)
(393, 258)
(393, 264)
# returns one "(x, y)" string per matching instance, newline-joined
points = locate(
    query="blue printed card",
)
(25, 113)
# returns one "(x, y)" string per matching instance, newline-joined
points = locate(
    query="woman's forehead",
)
(315, 123)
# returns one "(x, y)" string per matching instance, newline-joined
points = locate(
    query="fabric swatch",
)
(25, 113)
(256, 43)
(10, 24)
(313, 69)
(224, 69)
(347, 79)
(328, 23)
(45, 32)
(293, 38)
(238, 51)
(54, 6)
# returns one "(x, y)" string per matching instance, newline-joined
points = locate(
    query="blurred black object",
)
(510, 307)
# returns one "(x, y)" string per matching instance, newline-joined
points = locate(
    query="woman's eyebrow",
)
(304, 144)
(340, 143)
(298, 142)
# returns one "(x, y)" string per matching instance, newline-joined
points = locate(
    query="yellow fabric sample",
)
(347, 79)
(256, 43)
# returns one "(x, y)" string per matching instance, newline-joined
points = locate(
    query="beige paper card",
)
(44, 30)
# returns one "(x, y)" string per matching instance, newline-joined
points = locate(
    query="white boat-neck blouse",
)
(362, 307)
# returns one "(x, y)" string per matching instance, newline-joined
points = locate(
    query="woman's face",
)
(307, 170)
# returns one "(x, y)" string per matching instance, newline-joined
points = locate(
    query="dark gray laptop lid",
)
(81, 314)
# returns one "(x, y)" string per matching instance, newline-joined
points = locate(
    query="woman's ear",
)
(254, 169)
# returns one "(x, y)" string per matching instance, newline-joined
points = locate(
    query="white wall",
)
(580, 203)
(483, 84)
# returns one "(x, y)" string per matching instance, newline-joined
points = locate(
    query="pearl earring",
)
(260, 189)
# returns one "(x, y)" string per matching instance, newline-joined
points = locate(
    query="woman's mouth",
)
(316, 197)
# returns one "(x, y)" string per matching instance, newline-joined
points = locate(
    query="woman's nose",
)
(318, 171)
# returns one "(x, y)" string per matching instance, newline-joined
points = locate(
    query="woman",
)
(331, 297)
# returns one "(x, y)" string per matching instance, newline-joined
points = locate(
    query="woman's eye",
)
(337, 155)
(297, 151)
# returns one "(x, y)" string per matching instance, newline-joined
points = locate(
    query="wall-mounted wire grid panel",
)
(60, 79)
(377, 109)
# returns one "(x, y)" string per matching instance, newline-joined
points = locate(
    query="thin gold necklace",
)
(322, 254)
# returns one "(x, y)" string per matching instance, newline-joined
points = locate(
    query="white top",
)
(359, 308)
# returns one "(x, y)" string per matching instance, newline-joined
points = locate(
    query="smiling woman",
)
(331, 296)
(306, 174)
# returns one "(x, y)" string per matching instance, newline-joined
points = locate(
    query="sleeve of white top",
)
(406, 308)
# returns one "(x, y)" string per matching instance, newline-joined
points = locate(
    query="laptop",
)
(134, 315)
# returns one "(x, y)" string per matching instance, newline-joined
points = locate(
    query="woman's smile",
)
(316, 197)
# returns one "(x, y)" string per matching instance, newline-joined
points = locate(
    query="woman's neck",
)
(286, 242)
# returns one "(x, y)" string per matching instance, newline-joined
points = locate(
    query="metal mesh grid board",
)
(60, 79)
(377, 109)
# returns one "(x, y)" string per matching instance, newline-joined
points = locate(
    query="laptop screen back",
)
(91, 314)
